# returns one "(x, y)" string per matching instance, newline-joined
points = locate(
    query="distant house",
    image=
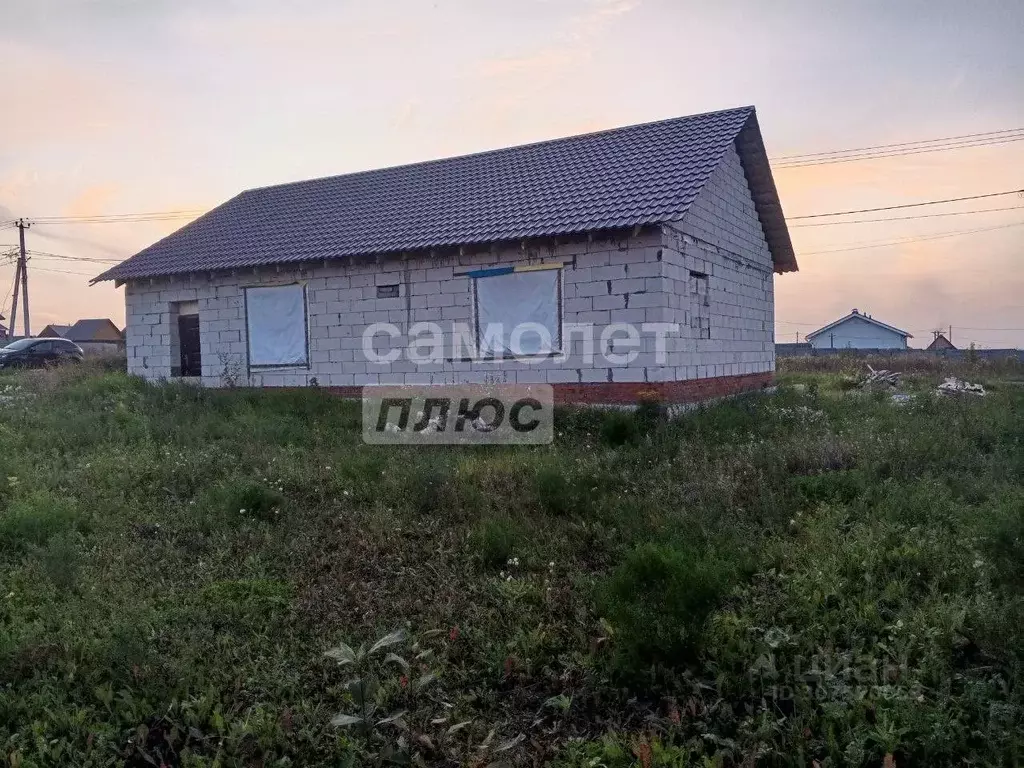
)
(858, 331)
(54, 331)
(939, 343)
(92, 335)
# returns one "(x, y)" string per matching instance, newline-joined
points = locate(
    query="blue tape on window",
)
(491, 272)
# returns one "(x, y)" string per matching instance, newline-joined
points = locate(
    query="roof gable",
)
(624, 177)
(94, 329)
(54, 330)
(860, 316)
(940, 342)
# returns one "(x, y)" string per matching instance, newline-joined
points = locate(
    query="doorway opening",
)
(185, 322)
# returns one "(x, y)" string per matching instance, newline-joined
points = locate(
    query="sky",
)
(125, 106)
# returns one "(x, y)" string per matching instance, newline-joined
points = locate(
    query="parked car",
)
(39, 353)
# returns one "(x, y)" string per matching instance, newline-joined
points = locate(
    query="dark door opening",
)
(188, 341)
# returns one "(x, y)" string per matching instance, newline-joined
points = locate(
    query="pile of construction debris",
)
(880, 378)
(955, 386)
(891, 380)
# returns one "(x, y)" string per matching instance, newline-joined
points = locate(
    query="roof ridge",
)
(499, 150)
(862, 316)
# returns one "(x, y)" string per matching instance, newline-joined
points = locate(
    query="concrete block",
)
(614, 272)
(630, 285)
(440, 300)
(628, 374)
(425, 288)
(593, 375)
(596, 317)
(609, 302)
(456, 285)
(644, 300)
(563, 376)
(578, 275)
(592, 289)
(645, 269)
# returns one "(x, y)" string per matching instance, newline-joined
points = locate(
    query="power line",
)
(9, 292)
(899, 144)
(178, 212)
(901, 153)
(138, 220)
(915, 330)
(79, 240)
(63, 271)
(907, 205)
(908, 240)
(51, 269)
(114, 218)
(967, 328)
(47, 255)
(908, 218)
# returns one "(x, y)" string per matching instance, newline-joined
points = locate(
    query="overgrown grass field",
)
(819, 577)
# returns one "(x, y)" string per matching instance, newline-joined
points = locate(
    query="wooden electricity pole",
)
(14, 305)
(24, 275)
(21, 281)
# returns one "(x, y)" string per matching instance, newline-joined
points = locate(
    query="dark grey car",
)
(39, 353)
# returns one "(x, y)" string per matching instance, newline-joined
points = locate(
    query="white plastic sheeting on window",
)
(276, 322)
(517, 313)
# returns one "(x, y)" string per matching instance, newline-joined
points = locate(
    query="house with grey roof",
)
(628, 263)
(858, 330)
(54, 331)
(98, 334)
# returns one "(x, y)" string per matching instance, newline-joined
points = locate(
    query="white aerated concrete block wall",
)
(603, 282)
(721, 237)
(635, 280)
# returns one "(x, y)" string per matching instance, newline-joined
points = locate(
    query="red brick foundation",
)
(689, 391)
(630, 393)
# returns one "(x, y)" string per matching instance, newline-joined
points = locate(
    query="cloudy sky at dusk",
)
(122, 106)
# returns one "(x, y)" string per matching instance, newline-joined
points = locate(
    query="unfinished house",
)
(640, 259)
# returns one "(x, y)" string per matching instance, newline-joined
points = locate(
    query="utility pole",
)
(14, 306)
(21, 281)
(24, 274)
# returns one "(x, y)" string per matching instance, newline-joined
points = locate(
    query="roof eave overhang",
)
(618, 230)
(865, 318)
(750, 146)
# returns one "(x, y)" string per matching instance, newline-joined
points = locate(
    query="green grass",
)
(817, 575)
